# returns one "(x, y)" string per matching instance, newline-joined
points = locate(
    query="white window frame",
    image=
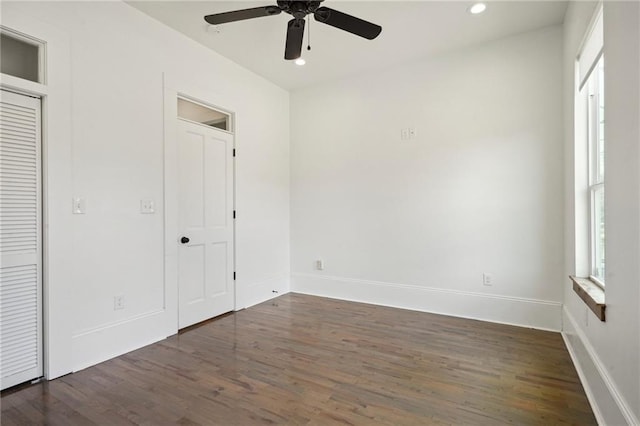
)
(39, 44)
(595, 175)
(589, 134)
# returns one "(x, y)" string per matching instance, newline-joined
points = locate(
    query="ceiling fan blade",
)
(241, 15)
(348, 23)
(295, 34)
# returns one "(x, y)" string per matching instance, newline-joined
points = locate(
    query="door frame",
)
(173, 88)
(13, 92)
(56, 145)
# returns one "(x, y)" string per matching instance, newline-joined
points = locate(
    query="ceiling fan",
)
(295, 28)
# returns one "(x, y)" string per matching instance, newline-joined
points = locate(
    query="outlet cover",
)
(118, 302)
(487, 279)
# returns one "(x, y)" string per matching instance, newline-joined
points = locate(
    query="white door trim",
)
(185, 88)
(56, 146)
(22, 262)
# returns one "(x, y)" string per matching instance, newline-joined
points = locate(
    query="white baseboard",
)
(262, 291)
(94, 346)
(539, 314)
(608, 405)
(91, 347)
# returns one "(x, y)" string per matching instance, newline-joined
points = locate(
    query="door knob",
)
(184, 240)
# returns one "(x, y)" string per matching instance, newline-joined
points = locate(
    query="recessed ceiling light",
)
(477, 8)
(300, 61)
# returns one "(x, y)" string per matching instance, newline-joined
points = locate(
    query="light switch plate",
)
(79, 205)
(147, 206)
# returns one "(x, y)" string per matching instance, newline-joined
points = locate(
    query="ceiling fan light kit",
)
(477, 8)
(295, 28)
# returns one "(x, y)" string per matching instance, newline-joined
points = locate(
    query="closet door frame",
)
(19, 263)
(54, 91)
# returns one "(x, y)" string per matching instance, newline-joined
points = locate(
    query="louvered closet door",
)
(20, 240)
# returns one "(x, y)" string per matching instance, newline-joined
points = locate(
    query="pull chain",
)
(309, 32)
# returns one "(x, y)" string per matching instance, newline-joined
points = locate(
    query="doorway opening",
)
(205, 212)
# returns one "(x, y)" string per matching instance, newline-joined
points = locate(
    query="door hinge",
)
(234, 275)
(234, 214)
(234, 152)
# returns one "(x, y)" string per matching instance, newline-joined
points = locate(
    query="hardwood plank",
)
(307, 360)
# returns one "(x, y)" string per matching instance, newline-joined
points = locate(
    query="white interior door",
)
(20, 240)
(205, 256)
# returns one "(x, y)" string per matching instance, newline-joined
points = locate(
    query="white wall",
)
(411, 224)
(415, 224)
(118, 58)
(607, 353)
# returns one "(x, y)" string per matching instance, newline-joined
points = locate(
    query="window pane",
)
(19, 58)
(600, 137)
(598, 233)
(203, 115)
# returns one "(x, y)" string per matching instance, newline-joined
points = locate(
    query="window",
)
(198, 113)
(589, 178)
(590, 155)
(20, 57)
(596, 143)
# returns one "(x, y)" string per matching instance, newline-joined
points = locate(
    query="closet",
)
(20, 239)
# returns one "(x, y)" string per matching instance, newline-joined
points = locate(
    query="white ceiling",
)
(410, 30)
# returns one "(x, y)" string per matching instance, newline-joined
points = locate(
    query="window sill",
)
(591, 294)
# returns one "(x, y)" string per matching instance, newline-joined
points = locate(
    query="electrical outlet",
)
(319, 265)
(118, 302)
(487, 279)
(408, 133)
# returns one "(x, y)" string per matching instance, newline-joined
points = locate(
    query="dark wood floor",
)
(309, 360)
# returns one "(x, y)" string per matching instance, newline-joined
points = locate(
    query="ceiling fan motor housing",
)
(299, 9)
